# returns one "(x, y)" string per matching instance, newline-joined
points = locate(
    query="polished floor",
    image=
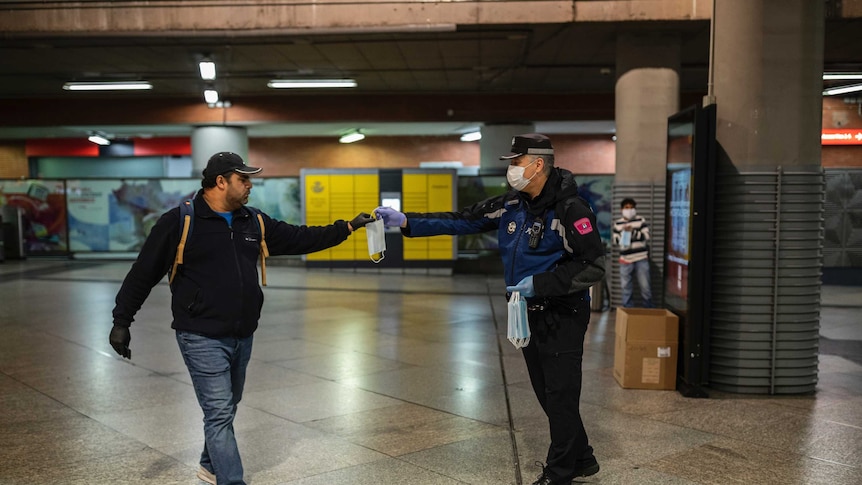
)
(367, 378)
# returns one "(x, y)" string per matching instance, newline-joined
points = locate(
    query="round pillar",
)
(769, 190)
(208, 140)
(768, 64)
(647, 92)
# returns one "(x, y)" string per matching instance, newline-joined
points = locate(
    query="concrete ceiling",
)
(570, 58)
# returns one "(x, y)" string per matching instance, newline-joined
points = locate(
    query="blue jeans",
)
(217, 368)
(641, 270)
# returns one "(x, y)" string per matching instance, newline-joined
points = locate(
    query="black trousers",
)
(554, 358)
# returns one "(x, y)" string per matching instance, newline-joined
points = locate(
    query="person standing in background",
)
(631, 234)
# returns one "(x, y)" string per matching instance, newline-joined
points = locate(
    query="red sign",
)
(163, 146)
(81, 147)
(841, 137)
(61, 147)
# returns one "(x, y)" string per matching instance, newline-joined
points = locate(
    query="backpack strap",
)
(264, 250)
(187, 212)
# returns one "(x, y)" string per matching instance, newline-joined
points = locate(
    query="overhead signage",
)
(841, 137)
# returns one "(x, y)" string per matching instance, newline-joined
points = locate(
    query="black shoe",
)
(546, 479)
(586, 468)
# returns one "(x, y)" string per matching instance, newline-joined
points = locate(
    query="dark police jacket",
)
(568, 254)
(216, 291)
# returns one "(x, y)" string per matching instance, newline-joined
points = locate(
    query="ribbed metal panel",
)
(650, 200)
(842, 246)
(767, 260)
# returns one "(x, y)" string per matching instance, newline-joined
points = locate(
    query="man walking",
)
(216, 299)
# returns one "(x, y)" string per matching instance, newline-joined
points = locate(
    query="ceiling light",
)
(208, 69)
(841, 76)
(843, 89)
(99, 139)
(351, 137)
(472, 136)
(211, 96)
(108, 86)
(311, 83)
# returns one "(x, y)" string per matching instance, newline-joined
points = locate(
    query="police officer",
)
(552, 254)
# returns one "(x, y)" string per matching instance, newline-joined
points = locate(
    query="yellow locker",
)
(414, 192)
(440, 192)
(428, 193)
(366, 198)
(440, 189)
(330, 196)
(317, 203)
(317, 195)
(342, 207)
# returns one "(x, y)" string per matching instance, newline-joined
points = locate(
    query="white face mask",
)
(376, 240)
(629, 213)
(515, 176)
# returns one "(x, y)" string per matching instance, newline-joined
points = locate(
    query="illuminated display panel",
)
(691, 150)
(678, 225)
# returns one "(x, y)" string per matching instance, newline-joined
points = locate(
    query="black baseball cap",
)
(529, 144)
(224, 162)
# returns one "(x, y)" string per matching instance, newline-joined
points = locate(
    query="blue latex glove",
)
(390, 216)
(525, 286)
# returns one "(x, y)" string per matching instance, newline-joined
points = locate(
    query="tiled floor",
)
(361, 378)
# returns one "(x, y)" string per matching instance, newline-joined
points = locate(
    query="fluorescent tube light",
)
(211, 96)
(108, 86)
(841, 76)
(351, 137)
(311, 83)
(208, 70)
(472, 136)
(843, 89)
(99, 140)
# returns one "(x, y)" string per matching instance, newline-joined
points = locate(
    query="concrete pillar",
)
(496, 140)
(207, 140)
(769, 191)
(647, 92)
(768, 82)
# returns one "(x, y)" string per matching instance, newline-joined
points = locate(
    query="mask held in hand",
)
(376, 240)
(518, 331)
(625, 239)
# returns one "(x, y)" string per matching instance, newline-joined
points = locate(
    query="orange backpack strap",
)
(186, 212)
(187, 215)
(264, 251)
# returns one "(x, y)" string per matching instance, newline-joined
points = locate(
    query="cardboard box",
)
(645, 350)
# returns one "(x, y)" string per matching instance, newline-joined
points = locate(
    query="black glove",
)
(120, 338)
(361, 220)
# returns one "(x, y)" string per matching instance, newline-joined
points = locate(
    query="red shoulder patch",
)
(583, 226)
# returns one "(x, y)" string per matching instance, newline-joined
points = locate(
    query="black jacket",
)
(216, 291)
